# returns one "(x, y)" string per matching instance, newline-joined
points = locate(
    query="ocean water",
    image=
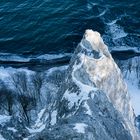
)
(50, 26)
(46, 32)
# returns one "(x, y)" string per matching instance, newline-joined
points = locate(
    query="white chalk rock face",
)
(93, 75)
(107, 76)
(93, 37)
(92, 102)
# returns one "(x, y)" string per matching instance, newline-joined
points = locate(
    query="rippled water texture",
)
(56, 26)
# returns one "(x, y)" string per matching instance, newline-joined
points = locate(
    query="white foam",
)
(90, 5)
(13, 57)
(19, 58)
(6, 74)
(40, 123)
(73, 98)
(53, 56)
(117, 31)
(61, 68)
(131, 74)
(112, 22)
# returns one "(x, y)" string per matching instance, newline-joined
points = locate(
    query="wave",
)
(20, 58)
(117, 31)
(53, 56)
(45, 61)
(13, 57)
(112, 22)
(36, 62)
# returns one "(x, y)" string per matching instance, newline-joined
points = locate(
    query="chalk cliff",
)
(93, 102)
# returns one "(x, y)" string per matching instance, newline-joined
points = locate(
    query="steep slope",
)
(93, 102)
(88, 100)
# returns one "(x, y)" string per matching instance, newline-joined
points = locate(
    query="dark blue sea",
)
(44, 29)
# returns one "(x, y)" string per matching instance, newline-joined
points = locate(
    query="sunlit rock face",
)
(95, 95)
(106, 75)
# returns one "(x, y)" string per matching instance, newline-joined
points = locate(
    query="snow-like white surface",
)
(92, 37)
(80, 127)
(88, 111)
(40, 122)
(2, 138)
(125, 48)
(53, 117)
(117, 31)
(4, 119)
(72, 97)
(32, 130)
(132, 84)
(61, 68)
(95, 40)
(12, 129)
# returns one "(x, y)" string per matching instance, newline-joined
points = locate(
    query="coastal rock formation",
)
(86, 100)
(93, 102)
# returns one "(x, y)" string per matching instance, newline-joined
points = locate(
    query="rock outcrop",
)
(93, 101)
(87, 100)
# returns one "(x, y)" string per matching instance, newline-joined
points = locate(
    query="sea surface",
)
(42, 29)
